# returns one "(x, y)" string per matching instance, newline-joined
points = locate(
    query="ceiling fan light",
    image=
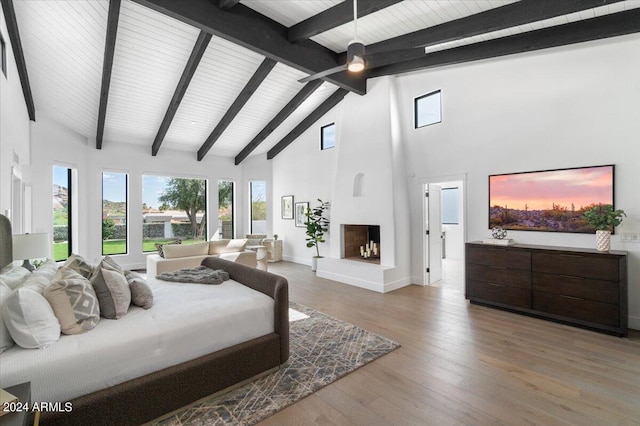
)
(356, 64)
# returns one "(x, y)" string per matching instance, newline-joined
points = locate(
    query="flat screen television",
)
(549, 200)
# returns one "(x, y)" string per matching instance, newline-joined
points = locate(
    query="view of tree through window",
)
(62, 243)
(173, 209)
(225, 209)
(114, 213)
(257, 189)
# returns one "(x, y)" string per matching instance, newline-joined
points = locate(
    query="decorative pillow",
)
(141, 294)
(160, 246)
(80, 265)
(173, 251)
(226, 246)
(112, 290)
(48, 269)
(5, 338)
(30, 319)
(35, 282)
(254, 242)
(13, 275)
(74, 302)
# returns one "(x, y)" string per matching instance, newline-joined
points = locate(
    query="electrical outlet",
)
(635, 238)
(629, 237)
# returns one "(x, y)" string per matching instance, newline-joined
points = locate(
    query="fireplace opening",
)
(361, 243)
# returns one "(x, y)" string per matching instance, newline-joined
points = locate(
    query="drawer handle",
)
(570, 297)
(573, 277)
(571, 255)
(497, 285)
(497, 267)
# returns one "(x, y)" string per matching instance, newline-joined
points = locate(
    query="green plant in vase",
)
(316, 224)
(603, 218)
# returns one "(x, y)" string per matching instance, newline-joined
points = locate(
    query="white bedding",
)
(185, 322)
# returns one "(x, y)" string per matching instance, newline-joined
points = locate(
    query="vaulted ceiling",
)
(220, 77)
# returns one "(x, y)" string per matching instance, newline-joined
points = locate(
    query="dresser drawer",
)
(583, 288)
(499, 293)
(595, 267)
(500, 275)
(574, 308)
(515, 259)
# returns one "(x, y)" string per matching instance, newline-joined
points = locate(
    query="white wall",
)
(54, 144)
(14, 123)
(564, 107)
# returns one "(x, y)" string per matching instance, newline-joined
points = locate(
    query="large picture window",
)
(427, 109)
(257, 189)
(173, 209)
(226, 209)
(62, 212)
(114, 213)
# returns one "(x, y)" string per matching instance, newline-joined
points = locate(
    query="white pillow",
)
(47, 269)
(30, 319)
(13, 275)
(5, 338)
(172, 251)
(35, 282)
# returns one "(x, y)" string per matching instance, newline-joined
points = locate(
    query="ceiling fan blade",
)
(323, 73)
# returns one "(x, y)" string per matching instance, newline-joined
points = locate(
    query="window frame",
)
(233, 207)
(322, 142)
(126, 196)
(415, 109)
(70, 212)
(251, 231)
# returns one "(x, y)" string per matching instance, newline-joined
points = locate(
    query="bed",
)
(151, 362)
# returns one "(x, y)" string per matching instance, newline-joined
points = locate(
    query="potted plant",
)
(604, 219)
(317, 224)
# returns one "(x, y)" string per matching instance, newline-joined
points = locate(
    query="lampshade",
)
(355, 56)
(30, 246)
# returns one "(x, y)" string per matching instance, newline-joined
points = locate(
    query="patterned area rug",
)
(323, 349)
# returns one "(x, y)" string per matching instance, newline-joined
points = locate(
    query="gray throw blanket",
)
(199, 275)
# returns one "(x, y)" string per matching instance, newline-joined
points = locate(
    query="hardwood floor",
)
(465, 364)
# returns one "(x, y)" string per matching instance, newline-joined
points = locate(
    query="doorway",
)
(444, 234)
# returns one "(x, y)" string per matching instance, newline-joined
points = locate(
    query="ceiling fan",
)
(356, 61)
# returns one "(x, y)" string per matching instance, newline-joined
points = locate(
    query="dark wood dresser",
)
(582, 287)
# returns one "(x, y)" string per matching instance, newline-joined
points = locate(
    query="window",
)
(449, 205)
(328, 136)
(62, 212)
(173, 209)
(114, 213)
(427, 109)
(257, 189)
(3, 56)
(226, 209)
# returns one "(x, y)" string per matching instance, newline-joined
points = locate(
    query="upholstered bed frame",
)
(143, 399)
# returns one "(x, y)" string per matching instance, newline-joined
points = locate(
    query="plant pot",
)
(314, 263)
(603, 240)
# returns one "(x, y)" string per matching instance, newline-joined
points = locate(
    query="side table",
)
(20, 418)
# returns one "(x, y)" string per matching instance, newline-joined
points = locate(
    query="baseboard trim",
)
(634, 323)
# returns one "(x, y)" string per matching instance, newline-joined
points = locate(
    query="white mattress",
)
(185, 322)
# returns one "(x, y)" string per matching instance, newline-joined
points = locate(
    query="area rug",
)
(323, 349)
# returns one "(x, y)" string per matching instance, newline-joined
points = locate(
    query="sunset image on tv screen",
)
(552, 200)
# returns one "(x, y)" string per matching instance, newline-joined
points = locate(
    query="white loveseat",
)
(178, 256)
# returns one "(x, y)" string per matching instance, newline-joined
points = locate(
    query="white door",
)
(434, 234)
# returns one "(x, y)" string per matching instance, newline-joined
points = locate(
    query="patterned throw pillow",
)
(112, 289)
(79, 264)
(74, 302)
(160, 245)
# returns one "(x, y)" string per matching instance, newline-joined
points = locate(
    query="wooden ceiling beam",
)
(18, 54)
(254, 82)
(511, 15)
(243, 26)
(324, 107)
(107, 66)
(227, 4)
(606, 26)
(285, 112)
(189, 70)
(334, 17)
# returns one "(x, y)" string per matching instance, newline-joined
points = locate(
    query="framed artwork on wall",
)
(300, 209)
(287, 207)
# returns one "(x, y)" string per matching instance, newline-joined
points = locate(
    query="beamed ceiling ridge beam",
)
(285, 112)
(18, 54)
(243, 26)
(107, 66)
(189, 70)
(325, 107)
(511, 15)
(606, 26)
(254, 82)
(334, 17)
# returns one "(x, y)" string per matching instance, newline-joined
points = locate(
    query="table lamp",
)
(30, 246)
